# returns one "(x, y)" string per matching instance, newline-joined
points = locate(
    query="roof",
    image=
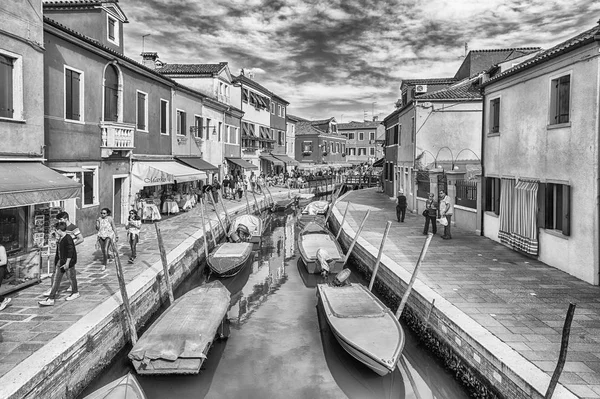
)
(321, 121)
(521, 49)
(246, 80)
(430, 81)
(478, 61)
(49, 5)
(304, 128)
(587, 37)
(359, 125)
(295, 118)
(467, 89)
(192, 69)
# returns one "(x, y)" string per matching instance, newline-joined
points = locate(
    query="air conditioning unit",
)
(421, 89)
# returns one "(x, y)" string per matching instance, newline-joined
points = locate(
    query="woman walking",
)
(430, 214)
(107, 234)
(134, 223)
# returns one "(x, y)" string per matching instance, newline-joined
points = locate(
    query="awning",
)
(379, 163)
(270, 158)
(285, 159)
(199, 163)
(242, 163)
(68, 169)
(158, 173)
(29, 183)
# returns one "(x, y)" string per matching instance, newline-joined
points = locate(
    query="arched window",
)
(111, 93)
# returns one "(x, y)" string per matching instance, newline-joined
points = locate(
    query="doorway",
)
(119, 208)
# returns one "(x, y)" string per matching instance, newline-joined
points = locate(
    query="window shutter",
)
(6, 87)
(68, 94)
(183, 124)
(140, 112)
(163, 117)
(75, 96)
(542, 205)
(564, 87)
(566, 210)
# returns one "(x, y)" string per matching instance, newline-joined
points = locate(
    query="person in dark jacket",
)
(401, 206)
(65, 259)
(430, 214)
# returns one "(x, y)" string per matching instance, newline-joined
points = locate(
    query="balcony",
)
(116, 136)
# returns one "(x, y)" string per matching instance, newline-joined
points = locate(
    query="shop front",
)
(29, 195)
(239, 167)
(271, 165)
(164, 187)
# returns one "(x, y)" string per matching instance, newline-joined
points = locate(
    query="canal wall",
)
(68, 363)
(486, 365)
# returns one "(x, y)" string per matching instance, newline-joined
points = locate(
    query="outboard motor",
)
(322, 258)
(341, 278)
(243, 233)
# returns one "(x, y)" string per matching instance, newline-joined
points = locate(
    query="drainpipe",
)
(597, 39)
(483, 185)
(412, 178)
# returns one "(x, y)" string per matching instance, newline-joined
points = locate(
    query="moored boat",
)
(363, 325)
(283, 204)
(316, 208)
(315, 242)
(304, 199)
(254, 229)
(179, 340)
(126, 387)
(228, 258)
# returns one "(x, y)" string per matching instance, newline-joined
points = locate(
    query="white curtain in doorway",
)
(507, 192)
(525, 235)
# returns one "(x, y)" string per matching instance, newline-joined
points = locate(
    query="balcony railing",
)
(116, 136)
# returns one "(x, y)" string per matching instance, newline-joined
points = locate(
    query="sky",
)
(345, 58)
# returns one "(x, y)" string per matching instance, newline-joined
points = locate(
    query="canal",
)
(280, 346)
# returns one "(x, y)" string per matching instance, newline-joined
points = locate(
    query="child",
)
(134, 223)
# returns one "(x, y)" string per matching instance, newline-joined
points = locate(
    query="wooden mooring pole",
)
(123, 288)
(362, 224)
(414, 275)
(330, 210)
(212, 200)
(212, 232)
(227, 218)
(204, 229)
(562, 357)
(339, 233)
(376, 268)
(255, 202)
(247, 202)
(165, 265)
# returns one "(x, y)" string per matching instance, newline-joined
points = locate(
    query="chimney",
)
(149, 59)
(375, 118)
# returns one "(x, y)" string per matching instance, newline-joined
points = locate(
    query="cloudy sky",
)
(345, 58)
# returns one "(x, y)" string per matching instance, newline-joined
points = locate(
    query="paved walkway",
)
(521, 301)
(25, 327)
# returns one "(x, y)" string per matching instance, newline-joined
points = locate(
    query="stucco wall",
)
(527, 147)
(26, 136)
(192, 106)
(213, 148)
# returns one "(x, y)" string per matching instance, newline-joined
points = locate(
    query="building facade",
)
(363, 144)
(320, 143)
(540, 155)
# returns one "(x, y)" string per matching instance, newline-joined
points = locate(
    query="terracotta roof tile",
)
(191, 69)
(304, 128)
(359, 125)
(430, 81)
(466, 89)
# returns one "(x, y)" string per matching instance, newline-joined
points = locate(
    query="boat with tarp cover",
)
(363, 325)
(304, 199)
(179, 340)
(316, 208)
(319, 249)
(250, 226)
(283, 204)
(126, 387)
(229, 258)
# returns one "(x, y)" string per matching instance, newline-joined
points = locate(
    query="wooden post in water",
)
(227, 218)
(218, 217)
(165, 265)
(414, 275)
(562, 357)
(410, 377)
(212, 232)
(376, 268)
(247, 202)
(330, 209)
(339, 233)
(362, 224)
(255, 202)
(204, 229)
(270, 195)
(125, 297)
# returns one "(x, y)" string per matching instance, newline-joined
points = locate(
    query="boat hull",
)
(228, 259)
(126, 387)
(312, 238)
(363, 326)
(258, 227)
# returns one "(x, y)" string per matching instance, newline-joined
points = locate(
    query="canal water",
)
(280, 346)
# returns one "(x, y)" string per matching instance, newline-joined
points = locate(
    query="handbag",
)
(425, 213)
(443, 221)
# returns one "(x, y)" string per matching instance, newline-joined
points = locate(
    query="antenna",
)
(466, 48)
(144, 41)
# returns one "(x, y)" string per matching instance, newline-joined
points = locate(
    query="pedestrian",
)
(401, 206)
(260, 181)
(226, 183)
(446, 211)
(252, 181)
(430, 214)
(240, 188)
(216, 186)
(107, 234)
(3, 272)
(77, 237)
(134, 223)
(65, 259)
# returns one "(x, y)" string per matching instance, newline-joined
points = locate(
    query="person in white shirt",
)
(446, 210)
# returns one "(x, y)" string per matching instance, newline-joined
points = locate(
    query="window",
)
(273, 108)
(372, 151)
(372, 136)
(399, 133)
(337, 148)
(559, 100)
(207, 128)
(362, 151)
(111, 93)
(281, 138)
(324, 146)
(180, 123)
(164, 116)
(113, 30)
(236, 133)
(89, 195)
(142, 111)
(283, 112)
(492, 195)
(8, 79)
(73, 94)
(198, 127)
(220, 131)
(361, 136)
(495, 115)
(245, 95)
(307, 146)
(351, 150)
(554, 202)
(279, 110)
(350, 136)
(412, 129)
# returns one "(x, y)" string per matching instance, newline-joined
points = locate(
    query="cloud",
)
(329, 57)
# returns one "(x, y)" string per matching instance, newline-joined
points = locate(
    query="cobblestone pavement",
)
(25, 326)
(521, 301)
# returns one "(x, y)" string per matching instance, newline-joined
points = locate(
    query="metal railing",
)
(466, 193)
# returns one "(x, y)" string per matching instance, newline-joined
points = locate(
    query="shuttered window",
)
(554, 207)
(111, 94)
(111, 29)
(560, 100)
(181, 123)
(6, 87)
(495, 115)
(164, 116)
(142, 124)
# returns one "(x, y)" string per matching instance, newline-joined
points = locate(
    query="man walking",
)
(401, 206)
(65, 259)
(446, 211)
